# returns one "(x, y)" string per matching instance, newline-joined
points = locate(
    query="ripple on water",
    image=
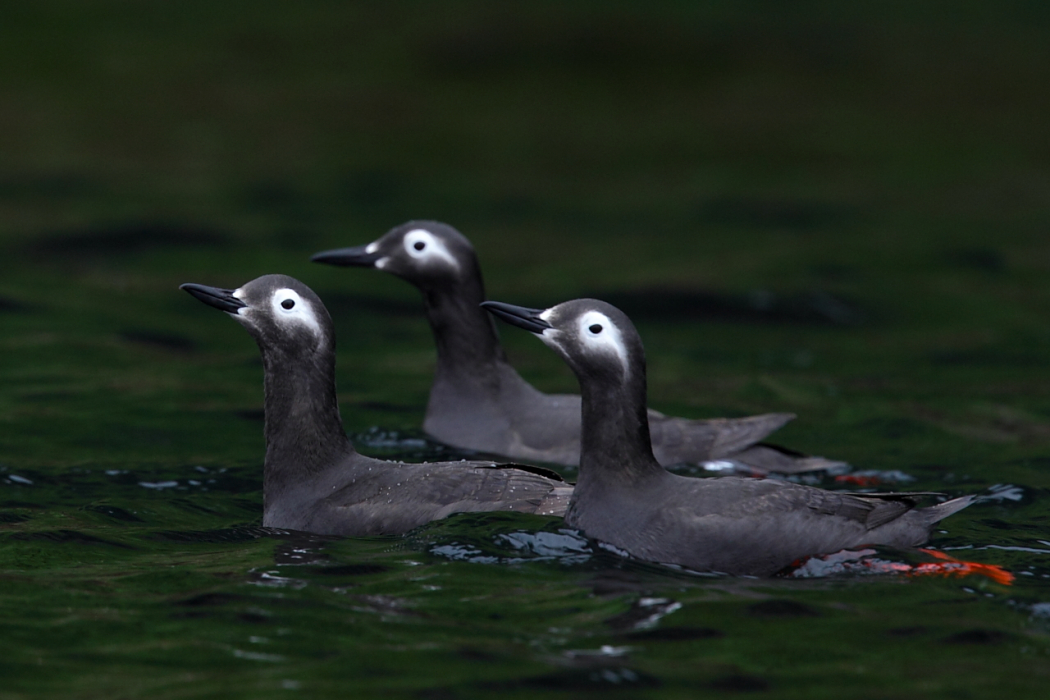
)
(232, 534)
(564, 546)
(72, 537)
(407, 446)
(644, 614)
(579, 680)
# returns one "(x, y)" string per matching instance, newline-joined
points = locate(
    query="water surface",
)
(832, 212)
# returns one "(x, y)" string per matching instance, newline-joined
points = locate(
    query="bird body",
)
(479, 402)
(360, 496)
(624, 498)
(747, 526)
(313, 478)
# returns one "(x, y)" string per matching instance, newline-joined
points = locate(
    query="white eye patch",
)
(597, 332)
(289, 307)
(425, 246)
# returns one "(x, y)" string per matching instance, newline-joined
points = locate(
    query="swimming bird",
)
(479, 402)
(313, 478)
(734, 525)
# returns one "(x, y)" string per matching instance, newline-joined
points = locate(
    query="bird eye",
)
(288, 303)
(595, 328)
(419, 245)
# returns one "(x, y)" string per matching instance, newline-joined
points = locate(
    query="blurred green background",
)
(835, 209)
(845, 206)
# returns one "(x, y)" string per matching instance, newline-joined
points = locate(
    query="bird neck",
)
(468, 347)
(615, 438)
(304, 431)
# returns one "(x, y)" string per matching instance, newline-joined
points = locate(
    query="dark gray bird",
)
(313, 479)
(479, 402)
(734, 525)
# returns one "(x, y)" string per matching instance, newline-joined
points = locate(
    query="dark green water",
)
(837, 212)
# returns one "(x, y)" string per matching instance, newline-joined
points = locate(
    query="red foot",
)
(848, 561)
(950, 566)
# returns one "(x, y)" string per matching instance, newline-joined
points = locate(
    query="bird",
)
(734, 525)
(479, 402)
(313, 478)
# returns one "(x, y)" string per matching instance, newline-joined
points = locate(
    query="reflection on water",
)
(564, 546)
(483, 603)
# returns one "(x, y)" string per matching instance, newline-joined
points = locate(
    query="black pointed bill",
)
(519, 316)
(221, 299)
(358, 256)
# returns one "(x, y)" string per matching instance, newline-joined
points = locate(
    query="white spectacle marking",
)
(299, 312)
(372, 247)
(238, 294)
(605, 336)
(549, 336)
(425, 246)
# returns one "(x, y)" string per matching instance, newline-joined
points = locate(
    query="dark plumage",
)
(313, 478)
(479, 402)
(623, 496)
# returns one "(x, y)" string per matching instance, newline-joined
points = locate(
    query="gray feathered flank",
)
(479, 402)
(313, 478)
(734, 525)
